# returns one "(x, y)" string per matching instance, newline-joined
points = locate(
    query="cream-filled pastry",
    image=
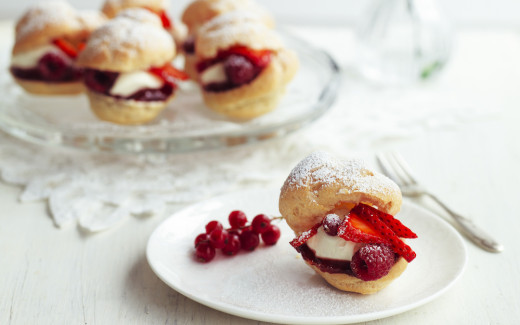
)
(243, 67)
(342, 215)
(48, 38)
(128, 72)
(199, 12)
(112, 8)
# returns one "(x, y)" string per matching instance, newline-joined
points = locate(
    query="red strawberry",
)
(397, 227)
(364, 212)
(357, 230)
(66, 47)
(166, 22)
(259, 58)
(169, 73)
(300, 240)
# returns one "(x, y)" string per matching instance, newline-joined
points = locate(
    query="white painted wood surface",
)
(64, 276)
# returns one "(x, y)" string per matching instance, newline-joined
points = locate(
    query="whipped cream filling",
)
(128, 83)
(332, 247)
(214, 74)
(29, 59)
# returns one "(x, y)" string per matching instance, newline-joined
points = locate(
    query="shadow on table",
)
(161, 304)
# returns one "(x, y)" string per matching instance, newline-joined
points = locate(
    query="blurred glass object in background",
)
(402, 41)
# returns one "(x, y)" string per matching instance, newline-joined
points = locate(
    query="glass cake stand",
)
(186, 125)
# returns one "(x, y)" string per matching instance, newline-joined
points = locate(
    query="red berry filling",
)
(189, 45)
(102, 81)
(52, 67)
(241, 65)
(325, 264)
(380, 232)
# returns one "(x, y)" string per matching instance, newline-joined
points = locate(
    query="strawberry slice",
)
(300, 240)
(66, 47)
(260, 58)
(169, 73)
(397, 227)
(365, 213)
(357, 230)
(166, 21)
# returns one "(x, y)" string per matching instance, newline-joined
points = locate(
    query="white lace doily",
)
(101, 190)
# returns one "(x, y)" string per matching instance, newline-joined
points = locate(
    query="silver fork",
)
(395, 167)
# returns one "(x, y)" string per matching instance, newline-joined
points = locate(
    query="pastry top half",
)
(46, 21)
(320, 183)
(140, 15)
(238, 28)
(201, 11)
(111, 8)
(127, 44)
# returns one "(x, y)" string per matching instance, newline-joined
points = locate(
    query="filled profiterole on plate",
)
(122, 57)
(342, 213)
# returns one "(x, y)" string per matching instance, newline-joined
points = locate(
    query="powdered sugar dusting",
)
(248, 33)
(323, 169)
(140, 15)
(236, 17)
(164, 4)
(124, 34)
(43, 14)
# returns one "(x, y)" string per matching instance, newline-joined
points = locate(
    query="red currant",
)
(218, 238)
(237, 219)
(271, 235)
(249, 240)
(232, 246)
(212, 225)
(204, 252)
(260, 223)
(200, 238)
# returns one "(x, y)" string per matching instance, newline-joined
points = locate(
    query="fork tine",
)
(387, 167)
(403, 168)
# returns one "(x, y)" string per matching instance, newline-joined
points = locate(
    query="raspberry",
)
(372, 261)
(239, 70)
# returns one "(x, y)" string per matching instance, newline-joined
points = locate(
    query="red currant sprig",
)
(238, 236)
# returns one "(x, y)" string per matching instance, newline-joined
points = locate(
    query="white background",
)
(460, 12)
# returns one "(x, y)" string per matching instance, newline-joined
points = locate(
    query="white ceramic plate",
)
(273, 283)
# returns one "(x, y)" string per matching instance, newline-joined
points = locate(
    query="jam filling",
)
(325, 264)
(189, 45)
(102, 81)
(52, 67)
(241, 65)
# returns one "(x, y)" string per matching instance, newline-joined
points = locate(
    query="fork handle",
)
(472, 231)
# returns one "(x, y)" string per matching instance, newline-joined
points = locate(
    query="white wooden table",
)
(64, 276)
